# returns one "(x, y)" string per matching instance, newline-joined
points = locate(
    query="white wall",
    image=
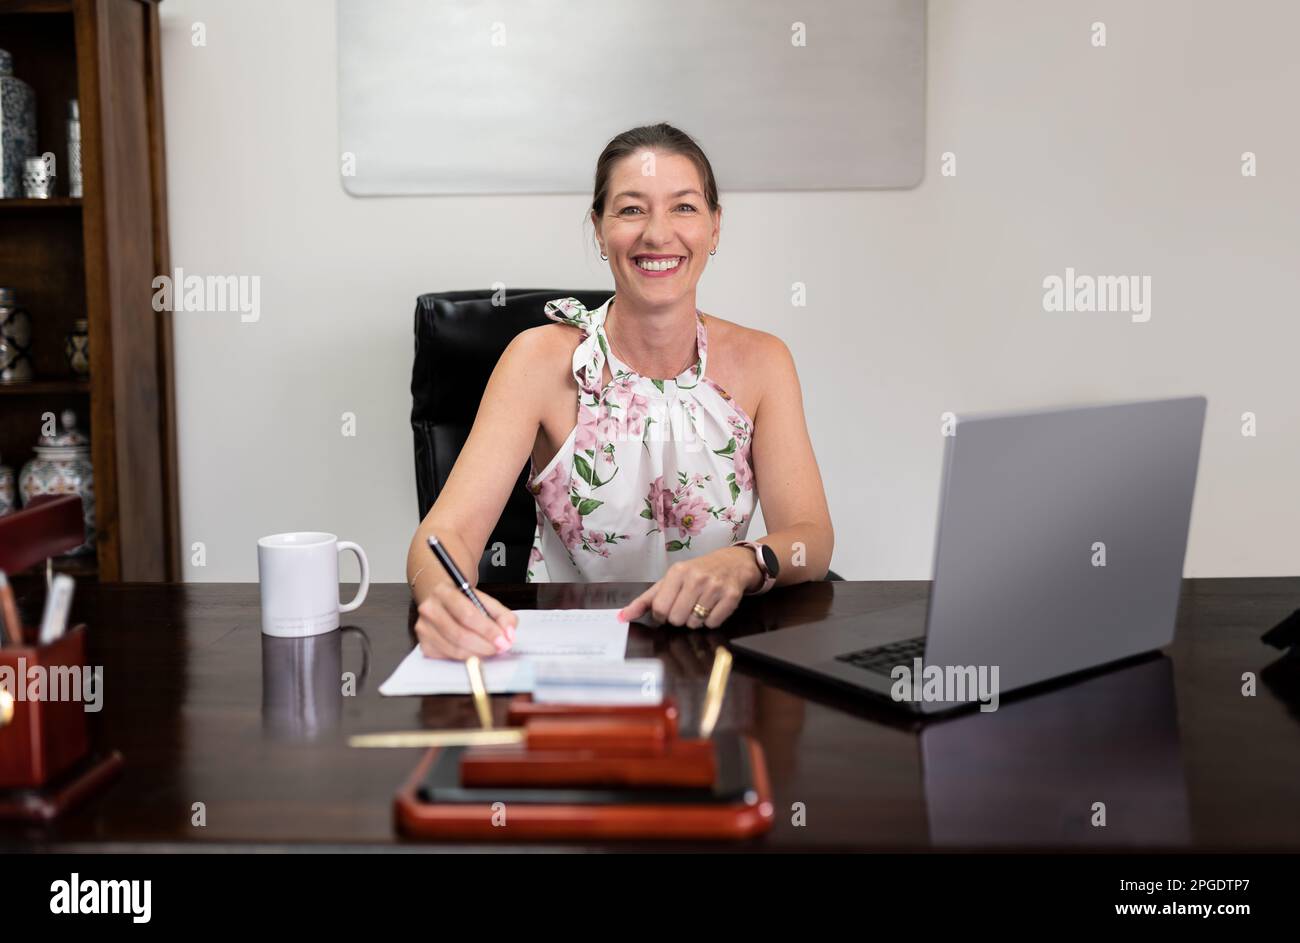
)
(1118, 160)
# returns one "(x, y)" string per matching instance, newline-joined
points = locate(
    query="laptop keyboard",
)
(883, 658)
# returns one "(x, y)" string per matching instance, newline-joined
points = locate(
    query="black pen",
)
(453, 571)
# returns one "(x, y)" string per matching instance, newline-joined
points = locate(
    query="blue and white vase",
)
(17, 127)
(8, 497)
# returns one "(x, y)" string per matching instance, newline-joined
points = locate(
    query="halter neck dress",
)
(654, 471)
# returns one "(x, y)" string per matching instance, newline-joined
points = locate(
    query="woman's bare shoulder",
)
(743, 348)
(548, 338)
(538, 361)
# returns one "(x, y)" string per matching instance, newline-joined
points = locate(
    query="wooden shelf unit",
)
(95, 258)
(20, 205)
(46, 387)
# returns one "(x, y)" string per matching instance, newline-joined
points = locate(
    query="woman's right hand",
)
(450, 626)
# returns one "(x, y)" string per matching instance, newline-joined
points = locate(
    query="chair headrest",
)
(459, 337)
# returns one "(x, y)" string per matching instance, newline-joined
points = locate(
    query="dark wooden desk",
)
(207, 711)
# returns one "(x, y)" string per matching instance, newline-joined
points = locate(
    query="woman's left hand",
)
(715, 582)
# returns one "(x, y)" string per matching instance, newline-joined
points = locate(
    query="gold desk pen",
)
(716, 692)
(478, 687)
(440, 738)
(488, 736)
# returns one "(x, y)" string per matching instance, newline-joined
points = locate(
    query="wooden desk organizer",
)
(45, 759)
(590, 772)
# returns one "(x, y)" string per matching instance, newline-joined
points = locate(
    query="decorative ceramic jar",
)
(38, 177)
(8, 499)
(62, 466)
(17, 127)
(77, 348)
(74, 149)
(15, 340)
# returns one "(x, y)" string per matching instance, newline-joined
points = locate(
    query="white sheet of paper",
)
(568, 634)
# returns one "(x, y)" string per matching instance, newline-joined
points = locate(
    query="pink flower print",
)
(535, 555)
(661, 500)
(569, 525)
(610, 427)
(684, 485)
(569, 307)
(553, 496)
(744, 474)
(625, 412)
(552, 491)
(698, 480)
(690, 515)
(596, 543)
(590, 382)
(587, 428)
(638, 408)
(739, 428)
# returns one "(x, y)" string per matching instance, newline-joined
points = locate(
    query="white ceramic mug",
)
(299, 576)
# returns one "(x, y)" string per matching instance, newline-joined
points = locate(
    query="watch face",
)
(769, 558)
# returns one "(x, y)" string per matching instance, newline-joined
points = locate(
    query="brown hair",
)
(659, 137)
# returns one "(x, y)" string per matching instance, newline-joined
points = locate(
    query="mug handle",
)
(364, 588)
(365, 653)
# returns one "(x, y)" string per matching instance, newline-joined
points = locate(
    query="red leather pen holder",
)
(47, 733)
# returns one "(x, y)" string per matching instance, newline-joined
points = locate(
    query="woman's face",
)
(657, 229)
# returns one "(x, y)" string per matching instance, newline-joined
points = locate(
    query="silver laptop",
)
(1060, 548)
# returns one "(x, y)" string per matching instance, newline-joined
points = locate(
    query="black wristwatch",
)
(768, 564)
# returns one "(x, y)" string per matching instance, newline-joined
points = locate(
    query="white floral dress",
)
(654, 471)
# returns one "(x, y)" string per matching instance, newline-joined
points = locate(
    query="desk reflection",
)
(1030, 772)
(303, 684)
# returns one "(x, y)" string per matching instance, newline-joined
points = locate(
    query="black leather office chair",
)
(459, 337)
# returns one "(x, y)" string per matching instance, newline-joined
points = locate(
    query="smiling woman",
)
(649, 424)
